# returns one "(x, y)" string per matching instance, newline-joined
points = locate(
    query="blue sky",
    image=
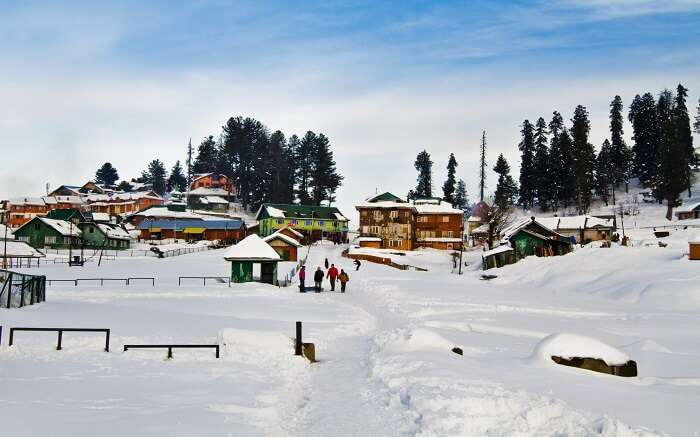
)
(81, 83)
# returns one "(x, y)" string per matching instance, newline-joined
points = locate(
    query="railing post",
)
(12, 335)
(60, 339)
(170, 352)
(9, 296)
(217, 346)
(107, 342)
(21, 301)
(297, 342)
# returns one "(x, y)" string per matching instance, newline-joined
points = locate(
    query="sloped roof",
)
(688, 208)
(278, 210)
(293, 231)
(511, 230)
(113, 231)
(279, 236)
(179, 225)
(65, 214)
(251, 248)
(61, 226)
(575, 222)
(385, 197)
(20, 249)
(435, 208)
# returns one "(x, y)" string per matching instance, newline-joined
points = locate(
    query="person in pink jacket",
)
(302, 278)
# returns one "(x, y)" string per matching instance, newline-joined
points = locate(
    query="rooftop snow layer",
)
(253, 248)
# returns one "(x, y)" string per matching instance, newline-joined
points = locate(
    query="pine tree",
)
(303, 159)
(696, 124)
(670, 180)
(618, 151)
(177, 179)
(289, 154)
(425, 179)
(684, 136)
(125, 186)
(528, 184)
(645, 127)
(189, 162)
(461, 199)
(207, 156)
(325, 179)
(448, 188)
(568, 176)
(584, 158)
(506, 190)
(278, 167)
(541, 166)
(604, 171)
(156, 176)
(482, 166)
(106, 175)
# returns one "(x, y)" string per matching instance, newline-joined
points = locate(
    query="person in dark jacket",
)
(318, 279)
(302, 278)
(357, 264)
(326, 263)
(344, 278)
(332, 275)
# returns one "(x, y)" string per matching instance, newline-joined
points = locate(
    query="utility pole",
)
(4, 253)
(482, 165)
(189, 171)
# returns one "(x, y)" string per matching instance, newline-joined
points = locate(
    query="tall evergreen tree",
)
(304, 159)
(618, 149)
(556, 163)
(482, 166)
(506, 190)
(584, 158)
(324, 176)
(542, 166)
(207, 156)
(448, 188)
(156, 176)
(670, 180)
(684, 135)
(461, 198)
(645, 126)
(289, 172)
(106, 175)
(177, 179)
(425, 175)
(567, 194)
(696, 124)
(125, 186)
(604, 171)
(528, 183)
(189, 162)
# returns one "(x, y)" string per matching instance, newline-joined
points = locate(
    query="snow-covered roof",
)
(483, 229)
(35, 201)
(385, 204)
(164, 212)
(252, 248)
(474, 219)
(203, 191)
(511, 230)
(688, 208)
(340, 216)
(274, 212)
(66, 199)
(496, 250)
(214, 199)
(100, 216)
(369, 239)
(113, 231)
(575, 222)
(440, 240)
(20, 249)
(293, 231)
(62, 227)
(286, 238)
(434, 208)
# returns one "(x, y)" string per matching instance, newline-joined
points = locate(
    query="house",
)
(252, 250)
(314, 222)
(225, 230)
(686, 212)
(403, 225)
(105, 235)
(284, 245)
(69, 214)
(209, 203)
(529, 237)
(21, 210)
(120, 204)
(166, 212)
(479, 217)
(65, 202)
(44, 232)
(582, 228)
(497, 257)
(212, 180)
(65, 190)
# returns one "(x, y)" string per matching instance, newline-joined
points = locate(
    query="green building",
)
(67, 214)
(248, 252)
(107, 235)
(315, 222)
(42, 232)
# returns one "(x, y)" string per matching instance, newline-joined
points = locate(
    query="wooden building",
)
(121, 204)
(21, 210)
(228, 231)
(582, 228)
(314, 222)
(44, 232)
(529, 237)
(371, 242)
(403, 225)
(694, 249)
(284, 245)
(687, 212)
(251, 251)
(106, 235)
(212, 180)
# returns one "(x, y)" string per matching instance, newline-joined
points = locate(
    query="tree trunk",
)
(669, 211)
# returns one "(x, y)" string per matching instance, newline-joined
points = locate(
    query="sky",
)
(82, 84)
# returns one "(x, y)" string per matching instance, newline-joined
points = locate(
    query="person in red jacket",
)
(302, 278)
(332, 275)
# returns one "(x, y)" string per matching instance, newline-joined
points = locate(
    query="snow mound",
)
(572, 345)
(256, 345)
(418, 339)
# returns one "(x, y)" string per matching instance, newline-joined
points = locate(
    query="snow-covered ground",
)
(384, 349)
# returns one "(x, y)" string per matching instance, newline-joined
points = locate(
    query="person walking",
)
(326, 263)
(344, 278)
(332, 275)
(357, 264)
(318, 279)
(302, 278)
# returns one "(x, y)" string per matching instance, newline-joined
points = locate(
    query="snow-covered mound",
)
(570, 346)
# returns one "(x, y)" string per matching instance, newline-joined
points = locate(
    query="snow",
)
(442, 208)
(274, 212)
(574, 222)
(63, 227)
(6, 230)
(570, 346)
(18, 249)
(164, 212)
(114, 231)
(368, 239)
(687, 207)
(283, 237)
(100, 217)
(496, 250)
(213, 199)
(251, 247)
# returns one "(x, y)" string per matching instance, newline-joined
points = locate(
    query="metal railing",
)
(127, 281)
(60, 332)
(170, 347)
(20, 289)
(220, 279)
(287, 281)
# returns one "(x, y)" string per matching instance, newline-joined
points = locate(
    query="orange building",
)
(123, 203)
(212, 180)
(22, 210)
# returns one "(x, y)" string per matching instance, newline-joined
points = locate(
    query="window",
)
(378, 214)
(307, 222)
(321, 223)
(373, 229)
(50, 240)
(445, 218)
(448, 234)
(293, 222)
(280, 221)
(24, 239)
(335, 224)
(422, 218)
(363, 213)
(92, 230)
(36, 226)
(394, 214)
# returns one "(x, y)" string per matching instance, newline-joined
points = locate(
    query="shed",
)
(694, 249)
(530, 237)
(253, 250)
(284, 245)
(497, 257)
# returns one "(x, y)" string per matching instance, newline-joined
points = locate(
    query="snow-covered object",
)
(164, 212)
(3, 230)
(100, 217)
(114, 231)
(496, 250)
(369, 239)
(63, 227)
(575, 222)
(274, 212)
(19, 249)
(570, 346)
(251, 247)
(286, 238)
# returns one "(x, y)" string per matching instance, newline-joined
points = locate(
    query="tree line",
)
(453, 191)
(265, 166)
(560, 168)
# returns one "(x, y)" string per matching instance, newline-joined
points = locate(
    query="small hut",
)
(284, 245)
(253, 250)
(497, 257)
(694, 249)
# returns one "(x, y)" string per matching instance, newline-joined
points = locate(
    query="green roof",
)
(65, 214)
(385, 197)
(300, 211)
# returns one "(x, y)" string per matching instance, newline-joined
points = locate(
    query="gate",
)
(19, 289)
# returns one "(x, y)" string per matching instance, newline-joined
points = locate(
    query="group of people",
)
(332, 274)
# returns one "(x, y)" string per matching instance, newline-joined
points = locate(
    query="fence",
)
(112, 254)
(60, 332)
(170, 347)
(127, 281)
(381, 260)
(220, 279)
(19, 289)
(287, 281)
